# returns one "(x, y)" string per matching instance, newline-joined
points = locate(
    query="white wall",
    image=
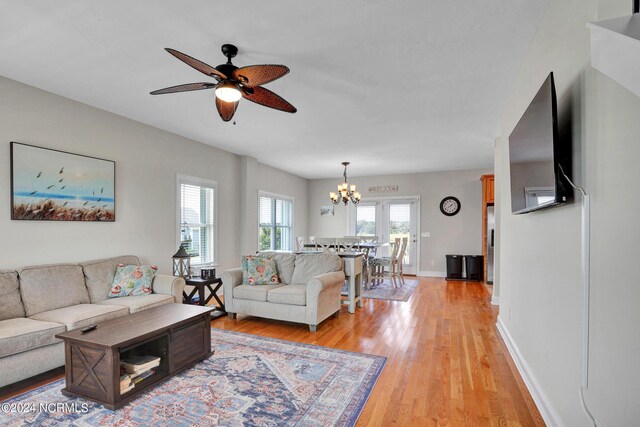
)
(262, 178)
(147, 161)
(460, 234)
(539, 253)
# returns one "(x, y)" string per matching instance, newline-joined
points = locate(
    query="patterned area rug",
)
(250, 380)
(386, 290)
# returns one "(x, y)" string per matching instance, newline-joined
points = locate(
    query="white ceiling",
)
(392, 86)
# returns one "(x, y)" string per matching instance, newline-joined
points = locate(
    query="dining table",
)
(369, 246)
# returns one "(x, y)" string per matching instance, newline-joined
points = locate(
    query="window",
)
(197, 219)
(275, 223)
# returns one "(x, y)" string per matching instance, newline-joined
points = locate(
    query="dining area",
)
(367, 261)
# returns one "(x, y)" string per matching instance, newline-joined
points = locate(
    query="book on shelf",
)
(127, 388)
(139, 364)
(125, 380)
(142, 376)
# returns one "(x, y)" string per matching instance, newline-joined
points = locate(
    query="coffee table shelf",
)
(179, 334)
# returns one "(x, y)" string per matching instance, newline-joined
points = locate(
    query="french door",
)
(389, 219)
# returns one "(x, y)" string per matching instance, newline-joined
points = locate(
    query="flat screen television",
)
(537, 155)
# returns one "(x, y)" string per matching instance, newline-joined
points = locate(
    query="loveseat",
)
(308, 289)
(36, 303)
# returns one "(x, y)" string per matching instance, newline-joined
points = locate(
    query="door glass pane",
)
(400, 225)
(365, 220)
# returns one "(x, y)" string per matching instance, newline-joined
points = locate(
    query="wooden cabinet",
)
(487, 190)
(488, 197)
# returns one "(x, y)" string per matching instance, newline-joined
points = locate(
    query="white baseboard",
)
(495, 300)
(432, 274)
(540, 398)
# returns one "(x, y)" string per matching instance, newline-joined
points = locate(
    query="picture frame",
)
(326, 210)
(54, 185)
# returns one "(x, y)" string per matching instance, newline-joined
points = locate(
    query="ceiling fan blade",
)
(184, 88)
(226, 109)
(197, 64)
(265, 97)
(254, 75)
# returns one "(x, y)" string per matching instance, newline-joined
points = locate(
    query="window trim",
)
(200, 182)
(291, 199)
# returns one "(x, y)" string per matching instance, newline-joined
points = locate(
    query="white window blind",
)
(197, 221)
(275, 223)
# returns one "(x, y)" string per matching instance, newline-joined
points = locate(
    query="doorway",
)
(389, 218)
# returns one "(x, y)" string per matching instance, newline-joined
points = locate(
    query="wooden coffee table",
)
(179, 334)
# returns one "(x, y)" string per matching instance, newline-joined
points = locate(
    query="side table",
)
(199, 286)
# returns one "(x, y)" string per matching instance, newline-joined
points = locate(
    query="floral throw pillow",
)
(258, 270)
(132, 280)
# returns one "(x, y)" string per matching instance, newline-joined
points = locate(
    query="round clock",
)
(450, 206)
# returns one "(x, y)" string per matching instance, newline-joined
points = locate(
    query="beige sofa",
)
(309, 292)
(36, 303)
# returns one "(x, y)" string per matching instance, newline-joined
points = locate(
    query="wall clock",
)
(450, 206)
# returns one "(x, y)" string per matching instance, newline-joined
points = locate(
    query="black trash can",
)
(475, 267)
(454, 267)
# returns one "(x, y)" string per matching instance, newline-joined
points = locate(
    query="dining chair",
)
(300, 240)
(348, 244)
(399, 261)
(325, 244)
(370, 239)
(378, 265)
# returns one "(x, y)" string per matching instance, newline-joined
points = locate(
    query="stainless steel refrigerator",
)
(491, 223)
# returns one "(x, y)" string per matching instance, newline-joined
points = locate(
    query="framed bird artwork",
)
(53, 185)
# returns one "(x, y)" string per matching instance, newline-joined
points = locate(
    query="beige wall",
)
(261, 178)
(460, 234)
(539, 267)
(147, 161)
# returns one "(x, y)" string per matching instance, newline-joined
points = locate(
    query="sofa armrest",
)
(322, 282)
(323, 296)
(230, 279)
(169, 285)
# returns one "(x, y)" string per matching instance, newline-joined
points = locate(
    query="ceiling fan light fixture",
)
(233, 83)
(228, 92)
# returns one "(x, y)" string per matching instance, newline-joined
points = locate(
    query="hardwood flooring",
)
(446, 363)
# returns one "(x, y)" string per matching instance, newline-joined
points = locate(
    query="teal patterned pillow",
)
(258, 270)
(132, 280)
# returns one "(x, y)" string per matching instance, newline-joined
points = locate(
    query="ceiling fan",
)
(234, 83)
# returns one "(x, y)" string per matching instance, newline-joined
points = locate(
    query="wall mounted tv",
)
(538, 156)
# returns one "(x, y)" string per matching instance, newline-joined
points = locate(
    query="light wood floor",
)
(446, 364)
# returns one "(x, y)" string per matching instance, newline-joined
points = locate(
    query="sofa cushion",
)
(255, 293)
(99, 274)
(10, 300)
(290, 294)
(20, 334)
(311, 265)
(49, 287)
(285, 263)
(258, 270)
(139, 303)
(81, 315)
(133, 280)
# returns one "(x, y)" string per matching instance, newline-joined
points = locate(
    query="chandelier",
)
(346, 191)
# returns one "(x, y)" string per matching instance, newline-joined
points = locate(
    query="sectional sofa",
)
(36, 303)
